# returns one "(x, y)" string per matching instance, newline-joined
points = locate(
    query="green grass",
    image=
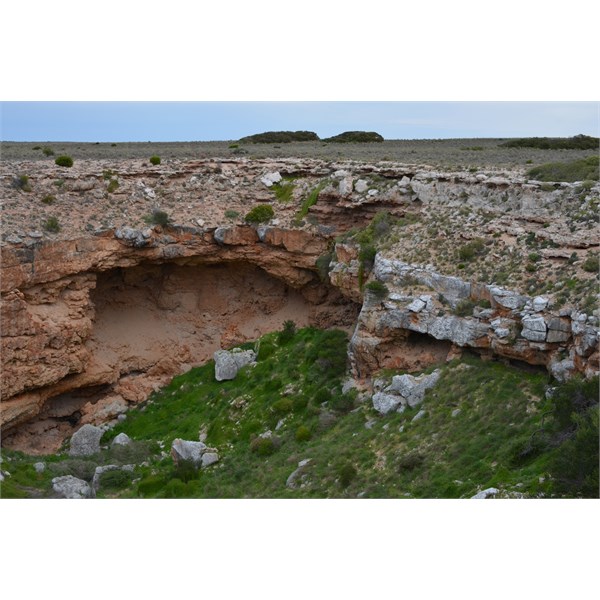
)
(309, 201)
(284, 190)
(504, 435)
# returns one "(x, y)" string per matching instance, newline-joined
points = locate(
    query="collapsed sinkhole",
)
(153, 321)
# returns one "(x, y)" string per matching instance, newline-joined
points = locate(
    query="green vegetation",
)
(284, 190)
(232, 215)
(287, 333)
(21, 182)
(322, 264)
(113, 184)
(378, 290)
(158, 217)
(262, 213)
(309, 201)
(49, 199)
(281, 137)
(464, 308)
(155, 160)
(52, 225)
(47, 151)
(591, 264)
(355, 137)
(486, 424)
(577, 142)
(576, 170)
(472, 249)
(64, 161)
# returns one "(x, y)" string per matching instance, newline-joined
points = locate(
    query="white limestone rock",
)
(385, 403)
(534, 328)
(86, 441)
(270, 178)
(484, 494)
(121, 440)
(361, 186)
(185, 450)
(71, 487)
(228, 363)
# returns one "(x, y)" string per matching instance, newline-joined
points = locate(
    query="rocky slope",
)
(102, 311)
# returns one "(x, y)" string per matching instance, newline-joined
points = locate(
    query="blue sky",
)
(201, 121)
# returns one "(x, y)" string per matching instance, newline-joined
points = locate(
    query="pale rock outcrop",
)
(133, 237)
(484, 494)
(298, 473)
(534, 328)
(270, 178)
(122, 439)
(86, 441)
(228, 363)
(71, 487)
(185, 450)
(405, 390)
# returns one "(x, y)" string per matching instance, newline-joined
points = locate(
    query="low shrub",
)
(155, 160)
(158, 217)
(47, 151)
(52, 225)
(21, 182)
(347, 473)
(263, 446)
(464, 308)
(115, 480)
(302, 434)
(49, 199)
(287, 333)
(378, 290)
(113, 184)
(342, 403)
(64, 161)
(322, 395)
(260, 214)
(150, 485)
(472, 249)
(283, 406)
(232, 215)
(591, 264)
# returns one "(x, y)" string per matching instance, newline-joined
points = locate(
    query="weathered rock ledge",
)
(427, 316)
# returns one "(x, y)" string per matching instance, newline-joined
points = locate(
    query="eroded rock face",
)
(85, 347)
(514, 326)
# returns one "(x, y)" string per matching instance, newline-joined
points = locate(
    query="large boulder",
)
(228, 363)
(86, 441)
(198, 453)
(71, 487)
(385, 403)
